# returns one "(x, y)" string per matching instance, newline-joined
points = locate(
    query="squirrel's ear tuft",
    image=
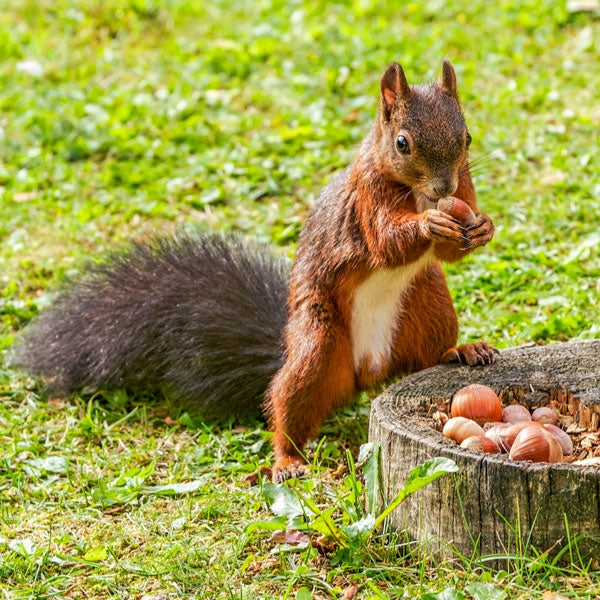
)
(393, 87)
(448, 77)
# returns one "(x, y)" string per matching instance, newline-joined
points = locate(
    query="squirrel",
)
(204, 317)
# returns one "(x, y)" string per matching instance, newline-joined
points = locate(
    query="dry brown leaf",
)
(265, 473)
(292, 537)
(552, 596)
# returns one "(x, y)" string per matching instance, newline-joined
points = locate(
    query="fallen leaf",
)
(253, 478)
(552, 596)
(323, 545)
(292, 537)
(114, 509)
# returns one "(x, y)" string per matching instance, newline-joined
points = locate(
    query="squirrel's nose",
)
(444, 187)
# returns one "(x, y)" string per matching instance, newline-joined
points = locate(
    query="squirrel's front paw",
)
(480, 232)
(441, 227)
(479, 353)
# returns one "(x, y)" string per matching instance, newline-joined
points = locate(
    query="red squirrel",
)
(368, 300)
(203, 317)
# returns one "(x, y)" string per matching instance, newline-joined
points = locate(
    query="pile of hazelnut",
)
(478, 422)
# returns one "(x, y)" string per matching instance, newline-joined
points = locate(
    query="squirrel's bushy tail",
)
(199, 316)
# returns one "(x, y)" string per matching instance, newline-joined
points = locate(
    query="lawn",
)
(122, 117)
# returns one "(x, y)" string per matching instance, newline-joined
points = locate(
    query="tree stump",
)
(494, 506)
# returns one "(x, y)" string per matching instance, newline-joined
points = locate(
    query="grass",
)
(149, 115)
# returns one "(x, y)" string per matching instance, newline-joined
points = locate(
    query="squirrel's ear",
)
(393, 86)
(448, 77)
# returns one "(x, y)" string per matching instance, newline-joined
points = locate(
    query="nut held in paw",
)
(456, 208)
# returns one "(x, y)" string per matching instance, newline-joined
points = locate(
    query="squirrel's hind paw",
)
(288, 467)
(479, 353)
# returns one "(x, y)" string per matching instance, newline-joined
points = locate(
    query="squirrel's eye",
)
(402, 145)
(469, 139)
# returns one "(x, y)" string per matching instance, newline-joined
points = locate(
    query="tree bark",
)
(494, 506)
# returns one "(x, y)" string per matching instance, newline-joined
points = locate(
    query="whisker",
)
(483, 158)
(476, 169)
(488, 152)
(473, 167)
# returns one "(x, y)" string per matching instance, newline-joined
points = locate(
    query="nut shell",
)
(544, 415)
(477, 402)
(492, 424)
(515, 413)
(500, 434)
(456, 208)
(513, 431)
(536, 444)
(460, 428)
(480, 443)
(562, 437)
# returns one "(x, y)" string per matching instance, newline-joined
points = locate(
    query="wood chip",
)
(594, 461)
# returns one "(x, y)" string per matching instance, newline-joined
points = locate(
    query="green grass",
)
(233, 115)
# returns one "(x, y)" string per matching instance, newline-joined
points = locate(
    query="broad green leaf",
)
(485, 591)
(48, 464)
(283, 500)
(24, 547)
(303, 594)
(274, 525)
(419, 477)
(173, 489)
(369, 459)
(324, 523)
(360, 528)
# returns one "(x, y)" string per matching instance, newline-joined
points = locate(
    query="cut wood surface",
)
(493, 504)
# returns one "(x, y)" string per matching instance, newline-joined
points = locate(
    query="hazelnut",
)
(536, 444)
(477, 402)
(460, 428)
(456, 208)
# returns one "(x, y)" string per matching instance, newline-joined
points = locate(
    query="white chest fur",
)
(376, 310)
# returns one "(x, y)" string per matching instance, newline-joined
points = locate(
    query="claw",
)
(477, 354)
(288, 468)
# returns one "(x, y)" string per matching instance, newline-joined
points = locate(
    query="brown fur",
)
(367, 219)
